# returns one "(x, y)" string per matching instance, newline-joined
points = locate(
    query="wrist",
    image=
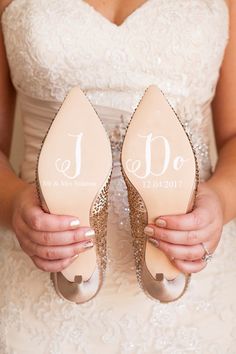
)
(13, 194)
(220, 190)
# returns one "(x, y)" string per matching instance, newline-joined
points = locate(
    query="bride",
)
(113, 50)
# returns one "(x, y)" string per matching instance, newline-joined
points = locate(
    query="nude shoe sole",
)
(72, 176)
(161, 173)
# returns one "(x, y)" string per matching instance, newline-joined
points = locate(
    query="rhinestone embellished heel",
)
(160, 170)
(72, 177)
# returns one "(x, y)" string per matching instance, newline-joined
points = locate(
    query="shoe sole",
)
(160, 169)
(73, 174)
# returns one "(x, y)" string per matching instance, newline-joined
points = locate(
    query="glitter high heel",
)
(160, 170)
(72, 176)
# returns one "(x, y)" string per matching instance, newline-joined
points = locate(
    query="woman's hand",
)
(51, 241)
(181, 237)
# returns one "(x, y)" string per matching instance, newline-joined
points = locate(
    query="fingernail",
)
(161, 223)
(82, 245)
(154, 241)
(75, 256)
(75, 223)
(87, 244)
(149, 231)
(89, 233)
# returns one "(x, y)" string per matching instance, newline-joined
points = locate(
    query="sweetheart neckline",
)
(111, 23)
(99, 14)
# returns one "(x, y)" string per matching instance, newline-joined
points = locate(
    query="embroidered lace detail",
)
(178, 45)
(126, 61)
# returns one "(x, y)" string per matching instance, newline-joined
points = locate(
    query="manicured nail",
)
(83, 245)
(75, 256)
(89, 233)
(87, 244)
(149, 231)
(154, 241)
(161, 223)
(75, 223)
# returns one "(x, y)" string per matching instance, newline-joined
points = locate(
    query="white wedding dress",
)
(52, 46)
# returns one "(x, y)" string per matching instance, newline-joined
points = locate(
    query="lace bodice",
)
(52, 46)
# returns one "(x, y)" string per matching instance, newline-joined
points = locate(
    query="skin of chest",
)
(116, 11)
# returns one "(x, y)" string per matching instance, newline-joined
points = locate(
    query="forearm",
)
(10, 185)
(223, 180)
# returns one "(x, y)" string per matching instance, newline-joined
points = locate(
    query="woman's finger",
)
(188, 266)
(58, 238)
(188, 238)
(198, 219)
(38, 220)
(55, 252)
(188, 253)
(52, 266)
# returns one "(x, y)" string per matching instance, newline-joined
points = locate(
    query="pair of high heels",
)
(160, 170)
